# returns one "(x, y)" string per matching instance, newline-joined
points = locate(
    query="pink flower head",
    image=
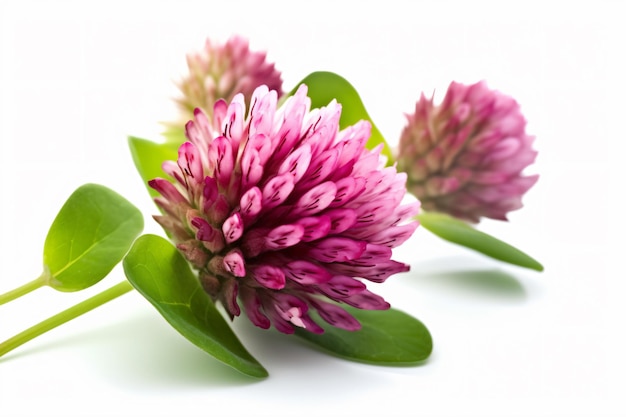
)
(220, 71)
(465, 156)
(281, 213)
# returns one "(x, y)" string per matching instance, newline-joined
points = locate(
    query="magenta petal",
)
(193, 133)
(347, 187)
(269, 276)
(296, 163)
(324, 127)
(284, 236)
(371, 212)
(250, 203)
(203, 123)
(221, 157)
(172, 169)
(167, 190)
(316, 199)
(251, 169)
(320, 168)
(336, 316)
(190, 163)
(340, 220)
(353, 138)
(372, 255)
(290, 308)
(306, 273)
(314, 227)
(311, 326)
(261, 144)
(233, 125)
(394, 236)
(209, 193)
(263, 105)
(367, 300)
(336, 249)
(280, 323)
(233, 228)
(277, 190)
(210, 237)
(404, 212)
(378, 272)
(253, 307)
(219, 112)
(340, 287)
(235, 263)
(289, 132)
(219, 211)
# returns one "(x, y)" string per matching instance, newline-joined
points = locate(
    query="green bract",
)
(159, 272)
(459, 232)
(388, 337)
(325, 86)
(90, 235)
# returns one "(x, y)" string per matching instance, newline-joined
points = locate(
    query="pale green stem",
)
(65, 316)
(23, 290)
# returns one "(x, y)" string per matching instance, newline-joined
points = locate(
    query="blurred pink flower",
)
(222, 70)
(465, 156)
(283, 213)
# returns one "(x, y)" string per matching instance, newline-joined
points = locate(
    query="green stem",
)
(23, 290)
(65, 316)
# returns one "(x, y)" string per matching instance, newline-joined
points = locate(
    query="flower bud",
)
(465, 156)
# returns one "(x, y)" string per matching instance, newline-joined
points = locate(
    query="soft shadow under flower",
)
(456, 275)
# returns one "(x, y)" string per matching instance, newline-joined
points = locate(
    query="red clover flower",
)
(220, 71)
(281, 212)
(465, 156)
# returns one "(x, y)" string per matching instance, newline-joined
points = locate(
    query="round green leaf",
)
(90, 235)
(149, 157)
(324, 86)
(159, 272)
(388, 337)
(461, 233)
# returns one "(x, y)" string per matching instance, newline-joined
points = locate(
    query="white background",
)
(77, 77)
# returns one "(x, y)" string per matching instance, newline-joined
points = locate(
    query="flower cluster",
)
(465, 156)
(281, 212)
(220, 71)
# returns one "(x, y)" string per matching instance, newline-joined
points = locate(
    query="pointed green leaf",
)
(149, 157)
(158, 271)
(90, 235)
(325, 86)
(459, 232)
(388, 337)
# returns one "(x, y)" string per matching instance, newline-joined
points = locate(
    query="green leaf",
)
(159, 272)
(459, 232)
(325, 86)
(90, 235)
(149, 157)
(388, 337)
